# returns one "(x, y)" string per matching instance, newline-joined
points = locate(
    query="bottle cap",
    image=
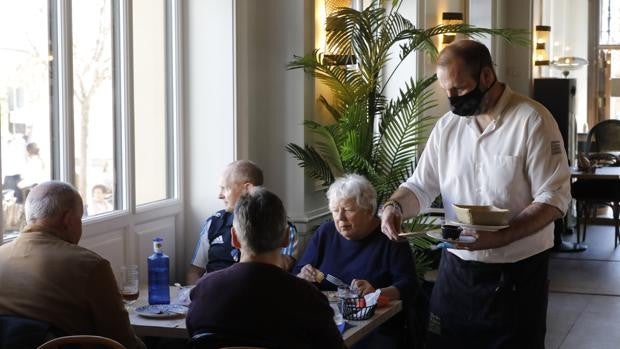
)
(157, 245)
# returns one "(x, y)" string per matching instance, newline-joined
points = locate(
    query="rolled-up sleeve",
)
(547, 165)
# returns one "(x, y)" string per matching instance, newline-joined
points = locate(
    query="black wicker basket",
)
(351, 309)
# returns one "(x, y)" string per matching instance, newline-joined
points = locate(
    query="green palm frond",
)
(421, 39)
(327, 146)
(312, 162)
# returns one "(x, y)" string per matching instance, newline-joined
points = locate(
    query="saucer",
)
(463, 239)
(162, 310)
(478, 227)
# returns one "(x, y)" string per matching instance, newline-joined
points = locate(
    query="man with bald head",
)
(45, 276)
(495, 147)
(214, 250)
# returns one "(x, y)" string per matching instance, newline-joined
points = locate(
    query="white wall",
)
(209, 108)
(274, 101)
(517, 66)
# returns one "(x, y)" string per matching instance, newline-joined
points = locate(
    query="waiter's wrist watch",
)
(394, 204)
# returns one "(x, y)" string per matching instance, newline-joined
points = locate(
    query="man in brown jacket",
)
(45, 276)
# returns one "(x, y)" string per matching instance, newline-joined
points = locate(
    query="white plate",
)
(162, 310)
(464, 239)
(478, 227)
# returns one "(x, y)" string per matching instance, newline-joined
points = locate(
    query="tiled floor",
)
(584, 302)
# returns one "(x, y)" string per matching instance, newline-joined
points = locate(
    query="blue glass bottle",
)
(159, 274)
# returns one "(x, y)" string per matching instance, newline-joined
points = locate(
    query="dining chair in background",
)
(100, 342)
(603, 149)
(589, 194)
(603, 143)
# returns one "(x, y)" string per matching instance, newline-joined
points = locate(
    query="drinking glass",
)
(129, 285)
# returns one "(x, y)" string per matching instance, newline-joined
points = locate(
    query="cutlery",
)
(334, 280)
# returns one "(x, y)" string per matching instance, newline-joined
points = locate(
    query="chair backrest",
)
(81, 340)
(210, 340)
(17, 332)
(604, 137)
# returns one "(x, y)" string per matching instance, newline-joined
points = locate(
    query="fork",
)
(334, 280)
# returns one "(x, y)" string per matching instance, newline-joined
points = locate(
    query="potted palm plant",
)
(369, 133)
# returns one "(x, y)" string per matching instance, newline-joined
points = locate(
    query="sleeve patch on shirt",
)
(556, 147)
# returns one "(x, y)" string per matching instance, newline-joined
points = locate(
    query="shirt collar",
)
(496, 112)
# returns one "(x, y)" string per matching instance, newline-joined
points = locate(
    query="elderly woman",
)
(352, 247)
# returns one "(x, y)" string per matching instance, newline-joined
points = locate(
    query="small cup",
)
(452, 232)
(129, 285)
(345, 292)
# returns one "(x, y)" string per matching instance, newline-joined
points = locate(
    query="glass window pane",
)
(614, 101)
(610, 22)
(24, 104)
(149, 65)
(93, 104)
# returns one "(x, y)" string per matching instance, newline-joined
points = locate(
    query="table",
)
(175, 328)
(603, 173)
(608, 172)
(362, 328)
(600, 185)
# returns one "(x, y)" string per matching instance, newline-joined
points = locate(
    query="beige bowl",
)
(481, 215)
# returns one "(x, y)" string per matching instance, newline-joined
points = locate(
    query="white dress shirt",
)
(517, 160)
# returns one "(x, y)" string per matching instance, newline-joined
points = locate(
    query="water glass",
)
(129, 285)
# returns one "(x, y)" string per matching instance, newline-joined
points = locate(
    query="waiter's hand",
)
(391, 219)
(484, 240)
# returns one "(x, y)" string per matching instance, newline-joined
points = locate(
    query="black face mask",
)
(469, 103)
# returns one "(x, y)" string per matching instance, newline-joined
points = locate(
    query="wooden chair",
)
(591, 193)
(603, 143)
(208, 340)
(602, 148)
(82, 340)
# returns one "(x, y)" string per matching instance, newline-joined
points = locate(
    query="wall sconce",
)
(541, 55)
(335, 55)
(449, 18)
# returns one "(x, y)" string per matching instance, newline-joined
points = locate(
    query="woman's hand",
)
(362, 287)
(310, 273)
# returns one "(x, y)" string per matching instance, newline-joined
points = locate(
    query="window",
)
(93, 112)
(609, 58)
(24, 104)
(149, 67)
(87, 100)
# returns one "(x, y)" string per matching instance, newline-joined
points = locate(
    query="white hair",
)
(49, 199)
(353, 186)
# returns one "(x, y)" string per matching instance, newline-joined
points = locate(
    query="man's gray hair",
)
(260, 220)
(353, 186)
(50, 199)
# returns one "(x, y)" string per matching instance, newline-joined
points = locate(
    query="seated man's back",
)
(256, 299)
(45, 276)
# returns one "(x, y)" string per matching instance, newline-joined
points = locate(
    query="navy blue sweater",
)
(375, 258)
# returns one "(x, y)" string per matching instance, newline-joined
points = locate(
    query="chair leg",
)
(579, 209)
(616, 210)
(586, 215)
